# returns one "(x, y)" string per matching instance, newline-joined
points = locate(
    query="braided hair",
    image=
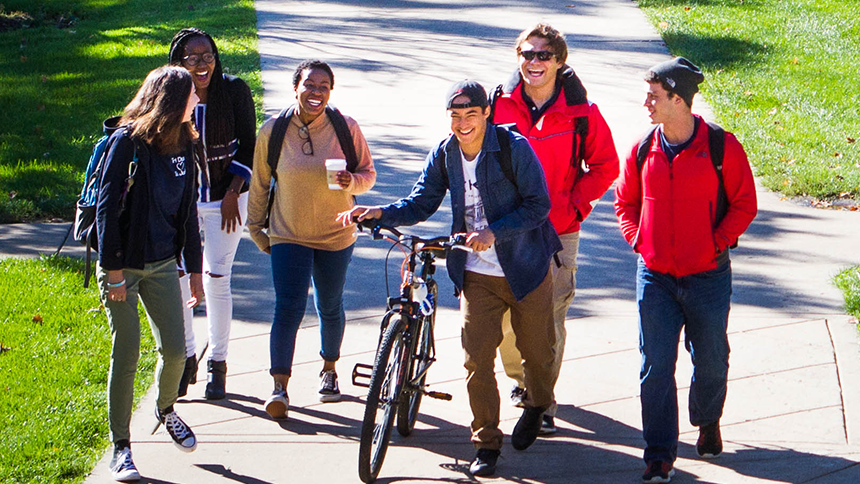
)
(220, 123)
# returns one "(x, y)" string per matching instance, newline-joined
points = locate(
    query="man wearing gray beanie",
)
(685, 195)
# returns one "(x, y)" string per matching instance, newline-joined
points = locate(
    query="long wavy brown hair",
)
(155, 114)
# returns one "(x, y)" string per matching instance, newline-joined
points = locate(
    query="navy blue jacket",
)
(517, 213)
(122, 237)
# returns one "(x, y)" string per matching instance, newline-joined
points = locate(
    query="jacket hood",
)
(574, 90)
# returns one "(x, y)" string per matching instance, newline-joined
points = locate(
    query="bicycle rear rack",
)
(361, 374)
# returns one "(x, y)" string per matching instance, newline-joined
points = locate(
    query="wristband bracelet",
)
(114, 285)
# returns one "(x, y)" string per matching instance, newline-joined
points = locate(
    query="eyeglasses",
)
(542, 55)
(194, 59)
(307, 146)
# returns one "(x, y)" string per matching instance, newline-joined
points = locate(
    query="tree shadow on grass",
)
(715, 52)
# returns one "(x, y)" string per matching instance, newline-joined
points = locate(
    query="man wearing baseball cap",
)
(685, 195)
(499, 200)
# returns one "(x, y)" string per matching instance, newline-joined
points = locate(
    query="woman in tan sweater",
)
(303, 237)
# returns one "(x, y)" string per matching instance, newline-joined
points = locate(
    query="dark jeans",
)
(700, 304)
(293, 268)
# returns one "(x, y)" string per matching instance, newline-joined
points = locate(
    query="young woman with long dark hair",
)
(226, 121)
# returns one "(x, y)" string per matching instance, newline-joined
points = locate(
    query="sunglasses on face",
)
(194, 59)
(542, 55)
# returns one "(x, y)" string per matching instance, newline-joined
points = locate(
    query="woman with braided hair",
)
(226, 121)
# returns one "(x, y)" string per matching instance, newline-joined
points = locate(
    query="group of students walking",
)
(524, 167)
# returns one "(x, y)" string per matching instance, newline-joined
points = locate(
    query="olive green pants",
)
(157, 287)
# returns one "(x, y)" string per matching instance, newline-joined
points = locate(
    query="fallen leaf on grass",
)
(794, 61)
(748, 93)
(773, 111)
(837, 155)
(37, 318)
(845, 195)
(4, 349)
(687, 9)
(850, 139)
(663, 25)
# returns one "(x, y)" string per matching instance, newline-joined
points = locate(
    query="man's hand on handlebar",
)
(359, 213)
(480, 240)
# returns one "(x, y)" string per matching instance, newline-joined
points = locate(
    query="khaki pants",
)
(157, 287)
(564, 288)
(484, 300)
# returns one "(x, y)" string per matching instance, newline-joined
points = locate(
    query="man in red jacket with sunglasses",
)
(668, 203)
(547, 102)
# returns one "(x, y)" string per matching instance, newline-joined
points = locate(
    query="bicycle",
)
(405, 351)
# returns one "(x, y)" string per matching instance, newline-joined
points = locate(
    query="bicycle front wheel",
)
(386, 383)
(407, 411)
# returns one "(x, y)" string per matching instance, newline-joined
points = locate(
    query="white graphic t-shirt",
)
(485, 262)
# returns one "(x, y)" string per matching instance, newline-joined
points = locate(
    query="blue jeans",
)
(700, 304)
(293, 268)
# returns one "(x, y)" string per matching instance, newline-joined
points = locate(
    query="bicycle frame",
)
(405, 351)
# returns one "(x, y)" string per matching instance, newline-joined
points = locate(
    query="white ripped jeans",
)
(219, 250)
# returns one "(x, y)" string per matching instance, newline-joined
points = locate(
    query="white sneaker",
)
(278, 404)
(122, 468)
(178, 430)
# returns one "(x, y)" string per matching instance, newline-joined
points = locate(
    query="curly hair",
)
(555, 38)
(311, 64)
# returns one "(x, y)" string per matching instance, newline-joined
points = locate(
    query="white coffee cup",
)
(332, 166)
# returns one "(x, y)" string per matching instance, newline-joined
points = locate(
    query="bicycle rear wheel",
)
(422, 349)
(386, 383)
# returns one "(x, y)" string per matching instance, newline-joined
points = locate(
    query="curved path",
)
(793, 410)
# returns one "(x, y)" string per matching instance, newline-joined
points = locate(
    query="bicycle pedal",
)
(439, 395)
(361, 374)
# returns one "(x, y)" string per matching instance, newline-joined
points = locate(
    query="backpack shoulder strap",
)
(344, 137)
(578, 154)
(276, 139)
(505, 161)
(643, 148)
(717, 147)
(442, 154)
(493, 97)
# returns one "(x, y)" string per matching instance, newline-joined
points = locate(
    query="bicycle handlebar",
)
(417, 243)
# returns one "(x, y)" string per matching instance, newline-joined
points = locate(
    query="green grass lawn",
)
(79, 62)
(53, 372)
(783, 76)
(849, 281)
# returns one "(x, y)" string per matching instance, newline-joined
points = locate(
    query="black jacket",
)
(221, 171)
(122, 237)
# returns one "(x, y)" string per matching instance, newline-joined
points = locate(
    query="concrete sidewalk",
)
(793, 409)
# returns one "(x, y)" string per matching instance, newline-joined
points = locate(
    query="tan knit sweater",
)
(304, 209)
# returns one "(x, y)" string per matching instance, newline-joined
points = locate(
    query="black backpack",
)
(503, 133)
(717, 146)
(574, 93)
(276, 141)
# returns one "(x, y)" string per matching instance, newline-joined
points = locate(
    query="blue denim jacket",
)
(517, 214)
